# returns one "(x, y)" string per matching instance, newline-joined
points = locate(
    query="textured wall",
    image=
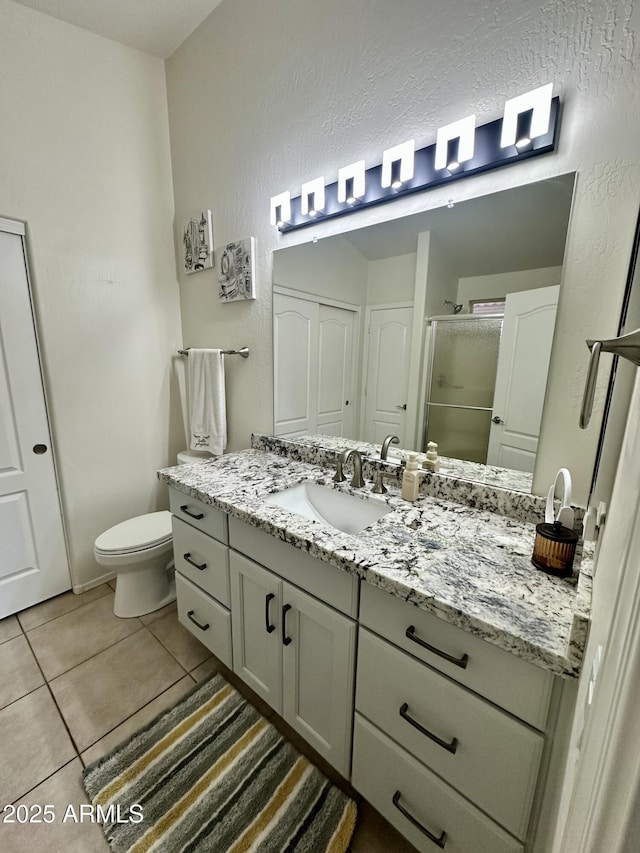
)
(84, 160)
(268, 93)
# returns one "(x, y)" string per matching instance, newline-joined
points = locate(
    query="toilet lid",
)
(144, 531)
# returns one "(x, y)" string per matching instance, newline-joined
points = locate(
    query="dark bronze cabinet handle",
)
(440, 840)
(462, 662)
(450, 747)
(195, 621)
(197, 516)
(267, 622)
(193, 563)
(285, 640)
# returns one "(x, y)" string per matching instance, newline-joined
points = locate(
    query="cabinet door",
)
(255, 605)
(318, 671)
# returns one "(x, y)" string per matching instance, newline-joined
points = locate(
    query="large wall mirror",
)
(434, 327)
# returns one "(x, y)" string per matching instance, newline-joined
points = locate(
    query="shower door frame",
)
(429, 359)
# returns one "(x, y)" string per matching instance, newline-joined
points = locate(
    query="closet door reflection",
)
(463, 359)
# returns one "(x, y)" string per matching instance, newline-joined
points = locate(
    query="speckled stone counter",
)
(469, 567)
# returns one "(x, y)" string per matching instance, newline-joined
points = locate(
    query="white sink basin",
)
(343, 511)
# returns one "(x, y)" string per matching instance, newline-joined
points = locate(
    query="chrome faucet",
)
(357, 482)
(390, 439)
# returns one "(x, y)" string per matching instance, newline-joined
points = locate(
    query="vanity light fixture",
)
(527, 128)
(312, 197)
(398, 165)
(535, 109)
(280, 209)
(351, 182)
(455, 144)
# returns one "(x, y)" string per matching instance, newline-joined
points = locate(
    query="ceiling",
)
(157, 27)
(521, 228)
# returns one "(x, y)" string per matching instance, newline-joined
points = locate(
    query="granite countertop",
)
(468, 566)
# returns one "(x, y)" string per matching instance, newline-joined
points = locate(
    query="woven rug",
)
(211, 774)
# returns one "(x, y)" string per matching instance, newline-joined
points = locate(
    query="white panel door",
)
(521, 377)
(295, 346)
(387, 373)
(318, 674)
(335, 409)
(33, 558)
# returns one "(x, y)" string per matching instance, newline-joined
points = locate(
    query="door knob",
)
(40, 449)
(403, 406)
(497, 420)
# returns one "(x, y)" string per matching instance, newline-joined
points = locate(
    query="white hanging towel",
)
(208, 404)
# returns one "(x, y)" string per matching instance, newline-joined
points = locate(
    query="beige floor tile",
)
(181, 643)
(70, 835)
(60, 791)
(35, 743)
(54, 607)
(9, 628)
(140, 718)
(99, 694)
(373, 834)
(206, 669)
(68, 640)
(20, 672)
(158, 614)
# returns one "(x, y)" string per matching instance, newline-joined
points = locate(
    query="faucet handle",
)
(339, 477)
(379, 487)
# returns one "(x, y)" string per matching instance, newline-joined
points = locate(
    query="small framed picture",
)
(198, 243)
(236, 270)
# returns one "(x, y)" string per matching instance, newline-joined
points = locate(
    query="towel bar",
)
(243, 351)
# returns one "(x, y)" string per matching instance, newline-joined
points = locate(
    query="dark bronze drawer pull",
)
(440, 841)
(462, 662)
(267, 622)
(450, 747)
(285, 640)
(187, 557)
(197, 516)
(195, 621)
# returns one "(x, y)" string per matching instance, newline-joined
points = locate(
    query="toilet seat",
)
(136, 535)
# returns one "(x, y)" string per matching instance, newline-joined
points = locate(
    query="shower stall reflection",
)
(461, 377)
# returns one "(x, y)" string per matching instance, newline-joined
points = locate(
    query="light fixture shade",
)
(282, 201)
(539, 102)
(464, 130)
(313, 188)
(403, 154)
(353, 172)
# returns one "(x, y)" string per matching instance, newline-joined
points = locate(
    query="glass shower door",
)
(463, 359)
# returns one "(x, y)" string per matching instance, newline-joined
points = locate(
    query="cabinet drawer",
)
(198, 514)
(214, 628)
(382, 770)
(514, 684)
(204, 560)
(484, 753)
(326, 582)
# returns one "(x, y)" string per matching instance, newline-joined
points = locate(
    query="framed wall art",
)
(236, 270)
(198, 243)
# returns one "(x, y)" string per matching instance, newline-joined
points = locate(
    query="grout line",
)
(91, 657)
(46, 778)
(60, 615)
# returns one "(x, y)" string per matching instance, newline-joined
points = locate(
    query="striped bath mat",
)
(213, 776)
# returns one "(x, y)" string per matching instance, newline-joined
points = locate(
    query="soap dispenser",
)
(431, 462)
(411, 479)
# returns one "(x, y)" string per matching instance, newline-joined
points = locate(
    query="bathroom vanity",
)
(424, 657)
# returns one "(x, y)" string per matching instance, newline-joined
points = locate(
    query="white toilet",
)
(139, 551)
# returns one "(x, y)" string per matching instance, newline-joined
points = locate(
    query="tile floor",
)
(75, 681)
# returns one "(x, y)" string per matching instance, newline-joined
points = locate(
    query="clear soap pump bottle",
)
(411, 479)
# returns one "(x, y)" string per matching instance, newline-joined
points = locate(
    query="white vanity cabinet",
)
(453, 736)
(290, 647)
(298, 654)
(201, 556)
